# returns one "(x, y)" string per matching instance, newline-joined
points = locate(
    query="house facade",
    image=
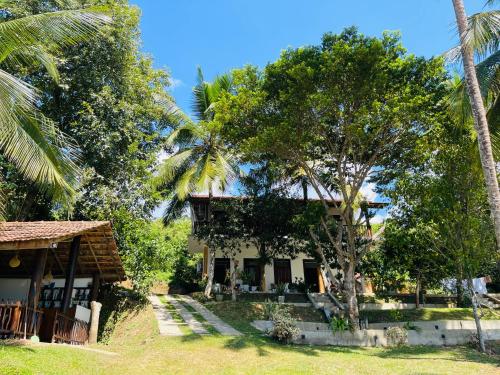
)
(302, 268)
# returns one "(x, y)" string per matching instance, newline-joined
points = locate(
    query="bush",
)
(270, 308)
(284, 327)
(338, 324)
(397, 336)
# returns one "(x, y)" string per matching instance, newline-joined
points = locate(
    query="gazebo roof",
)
(98, 250)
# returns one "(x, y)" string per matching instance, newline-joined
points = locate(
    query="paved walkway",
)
(168, 326)
(211, 318)
(192, 323)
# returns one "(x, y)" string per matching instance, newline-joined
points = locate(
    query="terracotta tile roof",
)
(15, 231)
(98, 250)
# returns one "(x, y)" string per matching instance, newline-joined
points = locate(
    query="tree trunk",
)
(417, 293)
(460, 293)
(210, 274)
(233, 280)
(476, 315)
(480, 121)
(350, 294)
(211, 250)
(263, 283)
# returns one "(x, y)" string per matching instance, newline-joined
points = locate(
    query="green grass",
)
(143, 351)
(241, 314)
(383, 316)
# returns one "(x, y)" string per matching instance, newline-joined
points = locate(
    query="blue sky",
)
(219, 35)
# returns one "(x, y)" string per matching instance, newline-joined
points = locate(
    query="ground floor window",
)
(221, 270)
(282, 271)
(252, 267)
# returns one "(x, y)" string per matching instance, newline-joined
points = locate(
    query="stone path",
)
(212, 319)
(192, 323)
(168, 326)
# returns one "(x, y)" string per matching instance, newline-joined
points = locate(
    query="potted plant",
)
(280, 291)
(246, 279)
(219, 297)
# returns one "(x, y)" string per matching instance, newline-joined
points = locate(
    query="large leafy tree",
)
(343, 111)
(442, 208)
(481, 33)
(202, 160)
(33, 143)
(114, 104)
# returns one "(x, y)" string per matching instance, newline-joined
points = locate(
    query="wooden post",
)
(95, 308)
(36, 278)
(96, 283)
(321, 282)
(70, 274)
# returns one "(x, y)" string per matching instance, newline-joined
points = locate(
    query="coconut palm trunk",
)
(480, 120)
(211, 248)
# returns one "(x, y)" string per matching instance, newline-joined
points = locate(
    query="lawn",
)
(241, 314)
(142, 351)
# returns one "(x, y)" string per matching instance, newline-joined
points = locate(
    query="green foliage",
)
(202, 158)
(280, 289)
(270, 308)
(284, 327)
(339, 324)
(151, 252)
(41, 153)
(347, 111)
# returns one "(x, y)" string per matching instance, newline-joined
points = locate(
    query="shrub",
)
(270, 308)
(397, 336)
(284, 327)
(338, 324)
(280, 289)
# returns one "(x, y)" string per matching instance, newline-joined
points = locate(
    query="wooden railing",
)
(69, 330)
(17, 320)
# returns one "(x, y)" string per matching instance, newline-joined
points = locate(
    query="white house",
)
(280, 270)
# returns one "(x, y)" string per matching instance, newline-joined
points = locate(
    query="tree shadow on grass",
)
(262, 344)
(190, 337)
(427, 353)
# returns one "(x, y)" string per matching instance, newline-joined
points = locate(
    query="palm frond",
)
(61, 28)
(201, 97)
(172, 165)
(32, 142)
(32, 56)
(483, 36)
(175, 208)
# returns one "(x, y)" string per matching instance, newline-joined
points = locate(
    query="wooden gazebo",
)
(65, 249)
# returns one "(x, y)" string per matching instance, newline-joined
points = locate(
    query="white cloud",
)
(368, 192)
(174, 83)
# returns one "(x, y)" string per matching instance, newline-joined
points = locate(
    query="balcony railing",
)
(19, 321)
(69, 330)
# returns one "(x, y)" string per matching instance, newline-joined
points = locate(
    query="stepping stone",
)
(167, 326)
(192, 323)
(212, 319)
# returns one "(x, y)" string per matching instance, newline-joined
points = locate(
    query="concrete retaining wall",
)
(399, 306)
(447, 333)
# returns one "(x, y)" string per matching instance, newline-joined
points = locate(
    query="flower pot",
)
(281, 299)
(245, 288)
(219, 297)
(254, 288)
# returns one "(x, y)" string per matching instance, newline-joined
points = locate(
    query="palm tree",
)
(484, 34)
(202, 161)
(33, 143)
